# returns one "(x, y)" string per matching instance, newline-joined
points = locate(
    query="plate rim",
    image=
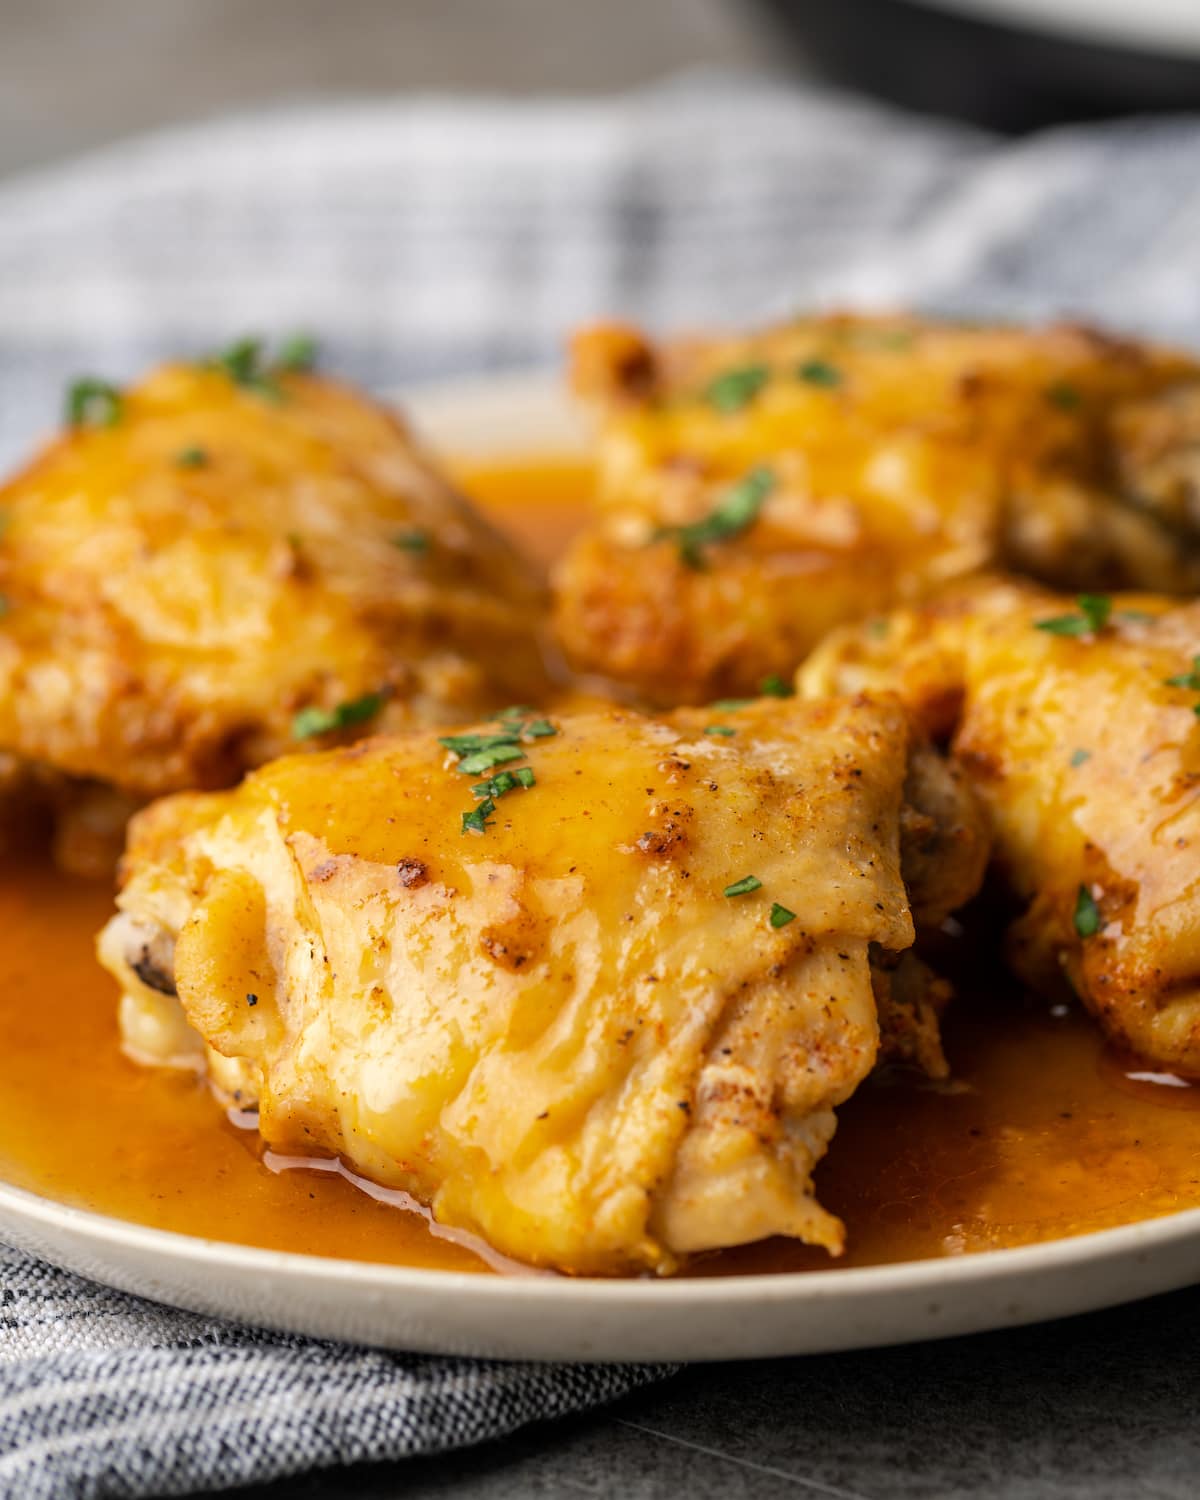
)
(898, 1276)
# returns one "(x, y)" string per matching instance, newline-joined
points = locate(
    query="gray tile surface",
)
(1105, 1407)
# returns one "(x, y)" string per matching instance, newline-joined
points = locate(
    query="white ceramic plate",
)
(540, 1317)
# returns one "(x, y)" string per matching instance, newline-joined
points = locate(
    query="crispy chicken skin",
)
(181, 581)
(1085, 750)
(562, 1032)
(840, 465)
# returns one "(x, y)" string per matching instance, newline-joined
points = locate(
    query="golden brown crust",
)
(180, 584)
(562, 1032)
(1084, 747)
(902, 454)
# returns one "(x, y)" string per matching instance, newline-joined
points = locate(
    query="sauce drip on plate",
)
(1040, 1134)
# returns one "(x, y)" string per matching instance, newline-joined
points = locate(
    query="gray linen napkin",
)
(435, 236)
(105, 1395)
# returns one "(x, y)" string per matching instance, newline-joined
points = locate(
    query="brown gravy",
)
(1041, 1134)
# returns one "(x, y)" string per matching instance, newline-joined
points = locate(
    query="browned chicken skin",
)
(572, 1024)
(221, 550)
(1076, 721)
(756, 491)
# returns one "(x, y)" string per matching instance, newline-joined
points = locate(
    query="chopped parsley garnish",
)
(94, 403)
(478, 752)
(1079, 756)
(1094, 613)
(488, 756)
(1189, 680)
(780, 916)
(192, 458)
(820, 372)
(722, 729)
(476, 820)
(411, 541)
(733, 389)
(507, 781)
(775, 687)
(247, 365)
(1066, 397)
(877, 629)
(744, 886)
(728, 705)
(1087, 914)
(313, 721)
(297, 353)
(737, 509)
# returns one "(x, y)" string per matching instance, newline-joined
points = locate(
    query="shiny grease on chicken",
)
(758, 490)
(223, 561)
(1076, 720)
(600, 1010)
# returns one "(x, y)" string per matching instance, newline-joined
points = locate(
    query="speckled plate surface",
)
(549, 1317)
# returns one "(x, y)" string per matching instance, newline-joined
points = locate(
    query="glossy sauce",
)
(1041, 1133)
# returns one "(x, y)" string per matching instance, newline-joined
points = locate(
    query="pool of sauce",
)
(1041, 1133)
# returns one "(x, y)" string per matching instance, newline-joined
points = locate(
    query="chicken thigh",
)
(1077, 723)
(228, 560)
(591, 987)
(756, 491)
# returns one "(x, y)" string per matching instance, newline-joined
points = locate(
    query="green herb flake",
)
(245, 364)
(492, 755)
(780, 916)
(733, 389)
(1094, 613)
(877, 629)
(94, 403)
(1064, 395)
(1078, 757)
(192, 458)
(1189, 680)
(731, 705)
(720, 729)
(411, 541)
(820, 372)
(495, 786)
(463, 744)
(476, 820)
(313, 721)
(775, 687)
(744, 886)
(507, 781)
(737, 509)
(539, 729)
(1087, 914)
(297, 353)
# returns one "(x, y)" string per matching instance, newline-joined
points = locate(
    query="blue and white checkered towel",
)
(439, 236)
